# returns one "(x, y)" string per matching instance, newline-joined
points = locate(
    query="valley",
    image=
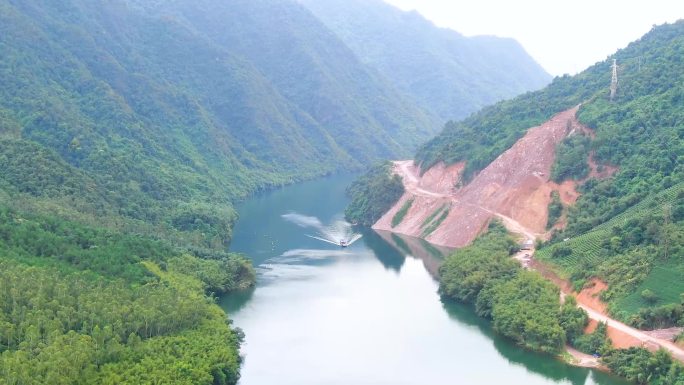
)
(183, 199)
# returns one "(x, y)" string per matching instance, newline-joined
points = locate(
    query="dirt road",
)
(410, 176)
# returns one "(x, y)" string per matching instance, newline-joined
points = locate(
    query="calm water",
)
(367, 314)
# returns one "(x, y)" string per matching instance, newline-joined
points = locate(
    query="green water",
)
(366, 314)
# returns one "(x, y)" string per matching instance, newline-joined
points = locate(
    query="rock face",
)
(516, 188)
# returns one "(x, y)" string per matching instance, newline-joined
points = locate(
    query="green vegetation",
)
(466, 73)
(633, 223)
(664, 316)
(573, 320)
(522, 305)
(627, 230)
(444, 213)
(594, 343)
(555, 209)
(639, 131)
(638, 250)
(84, 305)
(571, 159)
(434, 215)
(159, 126)
(373, 194)
(468, 270)
(399, 216)
(127, 132)
(483, 136)
(526, 308)
(218, 276)
(644, 367)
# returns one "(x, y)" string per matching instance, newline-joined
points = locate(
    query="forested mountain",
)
(447, 73)
(627, 229)
(166, 106)
(127, 129)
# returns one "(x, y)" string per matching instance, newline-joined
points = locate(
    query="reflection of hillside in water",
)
(431, 255)
(391, 249)
(534, 362)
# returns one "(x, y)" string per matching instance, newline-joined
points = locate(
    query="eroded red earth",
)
(515, 187)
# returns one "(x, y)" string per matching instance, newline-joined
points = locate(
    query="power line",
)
(614, 81)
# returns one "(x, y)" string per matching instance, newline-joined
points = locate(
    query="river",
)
(365, 314)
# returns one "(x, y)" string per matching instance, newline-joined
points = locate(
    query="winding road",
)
(412, 185)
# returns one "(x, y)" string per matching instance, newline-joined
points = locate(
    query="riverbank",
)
(428, 194)
(365, 314)
(435, 192)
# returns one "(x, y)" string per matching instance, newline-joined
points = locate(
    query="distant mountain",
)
(449, 74)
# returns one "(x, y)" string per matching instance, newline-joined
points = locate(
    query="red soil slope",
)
(515, 187)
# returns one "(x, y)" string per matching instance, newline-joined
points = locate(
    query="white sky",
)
(563, 36)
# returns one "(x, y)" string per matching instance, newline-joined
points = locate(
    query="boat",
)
(343, 243)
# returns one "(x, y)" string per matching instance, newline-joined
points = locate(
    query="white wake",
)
(336, 233)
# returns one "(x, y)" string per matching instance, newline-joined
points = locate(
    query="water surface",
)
(366, 314)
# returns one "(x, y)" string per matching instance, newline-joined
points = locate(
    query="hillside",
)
(516, 188)
(163, 114)
(621, 222)
(446, 73)
(127, 131)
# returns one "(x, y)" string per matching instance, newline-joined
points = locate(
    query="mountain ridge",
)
(446, 72)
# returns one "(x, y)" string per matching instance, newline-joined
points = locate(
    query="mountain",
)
(128, 128)
(447, 73)
(127, 131)
(613, 177)
(313, 70)
(163, 108)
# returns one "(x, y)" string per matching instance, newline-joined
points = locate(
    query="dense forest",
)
(81, 305)
(522, 305)
(373, 194)
(127, 131)
(167, 114)
(465, 73)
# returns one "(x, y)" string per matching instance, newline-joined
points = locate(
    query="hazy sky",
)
(563, 36)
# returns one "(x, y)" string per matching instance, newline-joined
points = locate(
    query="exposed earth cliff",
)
(516, 187)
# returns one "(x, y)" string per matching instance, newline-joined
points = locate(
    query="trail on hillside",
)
(406, 170)
(515, 187)
(408, 173)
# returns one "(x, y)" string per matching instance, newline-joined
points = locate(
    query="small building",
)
(527, 245)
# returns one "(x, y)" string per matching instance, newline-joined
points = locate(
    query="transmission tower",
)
(614, 81)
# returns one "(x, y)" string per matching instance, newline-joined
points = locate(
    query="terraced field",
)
(666, 281)
(665, 277)
(591, 246)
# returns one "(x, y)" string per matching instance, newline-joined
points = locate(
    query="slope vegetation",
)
(127, 130)
(169, 108)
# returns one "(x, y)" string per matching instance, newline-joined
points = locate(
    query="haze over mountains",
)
(447, 73)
